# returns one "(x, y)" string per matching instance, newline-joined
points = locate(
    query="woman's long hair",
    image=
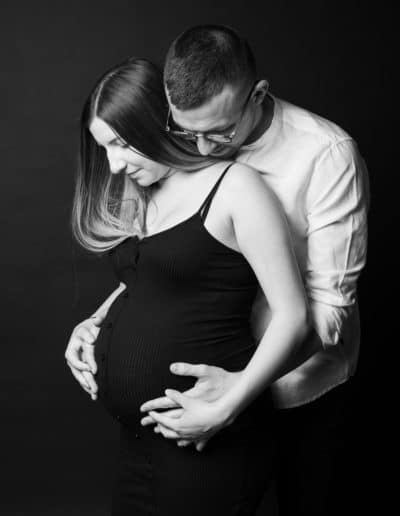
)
(107, 208)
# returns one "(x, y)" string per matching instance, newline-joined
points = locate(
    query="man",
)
(318, 175)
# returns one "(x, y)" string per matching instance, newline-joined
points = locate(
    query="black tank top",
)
(188, 298)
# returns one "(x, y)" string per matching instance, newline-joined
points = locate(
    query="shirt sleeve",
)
(337, 204)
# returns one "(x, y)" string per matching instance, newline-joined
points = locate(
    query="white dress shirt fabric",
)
(317, 173)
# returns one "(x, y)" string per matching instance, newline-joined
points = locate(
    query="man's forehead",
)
(217, 113)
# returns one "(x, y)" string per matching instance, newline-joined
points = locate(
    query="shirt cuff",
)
(327, 321)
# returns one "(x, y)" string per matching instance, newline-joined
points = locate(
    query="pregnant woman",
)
(190, 240)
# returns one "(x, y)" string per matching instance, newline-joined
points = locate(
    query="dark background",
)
(58, 448)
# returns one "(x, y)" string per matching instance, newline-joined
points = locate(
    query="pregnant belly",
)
(133, 361)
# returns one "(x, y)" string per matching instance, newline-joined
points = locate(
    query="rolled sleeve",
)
(337, 205)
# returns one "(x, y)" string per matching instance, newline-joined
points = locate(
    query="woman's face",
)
(125, 159)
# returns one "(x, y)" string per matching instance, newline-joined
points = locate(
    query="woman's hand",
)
(80, 354)
(196, 420)
(212, 383)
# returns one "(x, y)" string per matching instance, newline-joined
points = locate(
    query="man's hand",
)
(80, 354)
(196, 421)
(212, 383)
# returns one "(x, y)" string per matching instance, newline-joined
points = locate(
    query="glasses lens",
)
(184, 135)
(218, 138)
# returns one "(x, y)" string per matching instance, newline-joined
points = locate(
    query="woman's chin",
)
(144, 181)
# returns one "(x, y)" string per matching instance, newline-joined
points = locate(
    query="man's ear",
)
(260, 90)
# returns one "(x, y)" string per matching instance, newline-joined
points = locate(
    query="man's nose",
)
(204, 146)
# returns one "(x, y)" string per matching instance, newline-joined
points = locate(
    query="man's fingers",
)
(158, 403)
(200, 445)
(184, 442)
(147, 420)
(166, 432)
(185, 369)
(167, 422)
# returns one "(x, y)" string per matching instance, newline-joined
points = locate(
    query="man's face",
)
(230, 110)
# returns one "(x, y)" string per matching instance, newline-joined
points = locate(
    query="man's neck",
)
(262, 120)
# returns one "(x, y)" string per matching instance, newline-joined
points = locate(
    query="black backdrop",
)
(58, 447)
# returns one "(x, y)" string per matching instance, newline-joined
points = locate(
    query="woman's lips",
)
(134, 172)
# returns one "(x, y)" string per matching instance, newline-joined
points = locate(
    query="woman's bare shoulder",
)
(243, 181)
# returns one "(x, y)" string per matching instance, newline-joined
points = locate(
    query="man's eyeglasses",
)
(212, 137)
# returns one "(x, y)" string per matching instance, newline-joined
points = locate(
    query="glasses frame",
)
(212, 137)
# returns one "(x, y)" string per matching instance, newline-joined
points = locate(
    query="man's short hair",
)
(204, 59)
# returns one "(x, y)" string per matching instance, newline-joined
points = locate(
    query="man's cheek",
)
(224, 152)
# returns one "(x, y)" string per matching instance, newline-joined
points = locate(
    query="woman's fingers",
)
(76, 363)
(84, 333)
(73, 354)
(185, 369)
(148, 420)
(158, 403)
(86, 381)
(81, 343)
(79, 377)
(91, 383)
(88, 356)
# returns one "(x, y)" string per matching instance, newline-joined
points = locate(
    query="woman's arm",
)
(79, 353)
(262, 235)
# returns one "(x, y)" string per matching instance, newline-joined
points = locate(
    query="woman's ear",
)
(260, 90)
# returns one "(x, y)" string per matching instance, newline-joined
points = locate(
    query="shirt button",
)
(126, 295)
(103, 357)
(109, 325)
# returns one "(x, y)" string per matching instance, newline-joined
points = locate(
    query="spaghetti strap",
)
(203, 210)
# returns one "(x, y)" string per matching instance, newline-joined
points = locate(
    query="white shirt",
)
(316, 171)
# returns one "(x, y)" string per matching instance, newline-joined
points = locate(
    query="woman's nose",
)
(116, 164)
(204, 146)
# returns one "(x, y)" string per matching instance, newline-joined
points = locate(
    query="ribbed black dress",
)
(188, 298)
